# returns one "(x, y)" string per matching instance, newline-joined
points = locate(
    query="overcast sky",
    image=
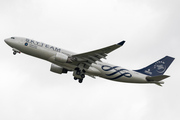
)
(29, 91)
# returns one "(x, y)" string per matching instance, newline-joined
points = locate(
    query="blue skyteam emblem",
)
(160, 66)
(115, 71)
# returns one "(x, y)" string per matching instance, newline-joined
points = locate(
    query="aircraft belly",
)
(133, 79)
(93, 71)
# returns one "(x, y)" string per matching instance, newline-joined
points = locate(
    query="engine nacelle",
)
(58, 69)
(60, 57)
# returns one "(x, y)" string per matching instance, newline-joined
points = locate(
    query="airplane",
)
(90, 63)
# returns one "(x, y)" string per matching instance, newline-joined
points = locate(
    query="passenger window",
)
(12, 38)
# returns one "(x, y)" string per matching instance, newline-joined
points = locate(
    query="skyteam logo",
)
(116, 72)
(160, 67)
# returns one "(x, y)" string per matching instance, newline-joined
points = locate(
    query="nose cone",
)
(7, 41)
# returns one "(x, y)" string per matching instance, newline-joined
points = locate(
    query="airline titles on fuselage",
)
(34, 44)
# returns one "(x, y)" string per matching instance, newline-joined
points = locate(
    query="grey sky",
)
(28, 90)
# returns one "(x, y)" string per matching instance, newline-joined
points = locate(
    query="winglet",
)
(121, 43)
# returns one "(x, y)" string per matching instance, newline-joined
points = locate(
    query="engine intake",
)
(58, 69)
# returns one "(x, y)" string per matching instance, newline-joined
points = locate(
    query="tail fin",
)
(158, 68)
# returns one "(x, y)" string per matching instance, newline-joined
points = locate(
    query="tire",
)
(82, 76)
(80, 80)
(78, 72)
(83, 71)
(14, 53)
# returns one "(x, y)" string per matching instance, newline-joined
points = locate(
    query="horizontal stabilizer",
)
(156, 78)
(159, 83)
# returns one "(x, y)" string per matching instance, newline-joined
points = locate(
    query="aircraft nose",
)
(7, 41)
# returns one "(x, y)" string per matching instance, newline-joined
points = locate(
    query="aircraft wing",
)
(91, 57)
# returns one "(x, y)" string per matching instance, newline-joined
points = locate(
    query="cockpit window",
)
(12, 37)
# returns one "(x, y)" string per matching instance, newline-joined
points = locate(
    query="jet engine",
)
(60, 57)
(58, 69)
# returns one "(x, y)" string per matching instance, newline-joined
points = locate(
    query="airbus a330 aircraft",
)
(90, 63)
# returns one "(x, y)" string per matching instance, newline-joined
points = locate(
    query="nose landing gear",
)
(15, 51)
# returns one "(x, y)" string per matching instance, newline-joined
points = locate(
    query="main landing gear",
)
(79, 75)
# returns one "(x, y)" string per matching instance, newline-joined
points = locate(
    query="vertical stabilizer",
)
(157, 68)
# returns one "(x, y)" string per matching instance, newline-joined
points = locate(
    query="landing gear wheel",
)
(83, 71)
(82, 76)
(80, 80)
(78, 72)
(14, 53)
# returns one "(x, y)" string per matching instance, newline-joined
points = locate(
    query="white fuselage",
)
(101, 69)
